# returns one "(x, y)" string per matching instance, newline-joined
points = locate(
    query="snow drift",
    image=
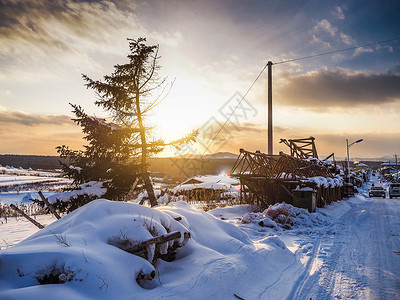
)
(74, 257)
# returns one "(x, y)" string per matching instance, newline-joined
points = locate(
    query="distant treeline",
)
(183, 168)
(176, 168)
(31, 161)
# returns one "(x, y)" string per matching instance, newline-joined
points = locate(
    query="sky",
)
(213, 51)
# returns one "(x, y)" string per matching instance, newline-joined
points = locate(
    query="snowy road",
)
(359, 258)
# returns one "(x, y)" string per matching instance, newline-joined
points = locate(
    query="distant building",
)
(213, 182)
(390, 164)
(389, 168)
(361, 166)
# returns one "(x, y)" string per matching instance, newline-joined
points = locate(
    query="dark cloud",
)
(338, 88)
(229, 130)
(245, 128)
(396, 69)
(38, 22)
(19, 118)
(252, 137)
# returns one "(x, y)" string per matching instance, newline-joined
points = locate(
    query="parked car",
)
(377, 191)
(394, 190)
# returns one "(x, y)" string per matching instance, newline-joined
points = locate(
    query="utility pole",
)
(348, 157)
(348, 161)
(270, 148)
(397, 169)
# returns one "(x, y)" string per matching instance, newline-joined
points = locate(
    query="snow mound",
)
(286, 216)
(77, 255)
(231, 213)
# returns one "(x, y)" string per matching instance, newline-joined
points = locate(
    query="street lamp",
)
(348, 157)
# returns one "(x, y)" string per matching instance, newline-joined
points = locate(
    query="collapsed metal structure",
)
(301, 148)
(267, 179)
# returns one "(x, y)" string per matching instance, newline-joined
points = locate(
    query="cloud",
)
(321, 42)
(374, 145)
(12, 118)
(377, 49)
(362, 50)
(38, 38)
(52, 23)
(396, 69)
(346, 39)
(325, 26)
(43, 39)
(38, 142)
(326, 34)
(252, 137)
(338, 88)
(23, 133)
(338, 13)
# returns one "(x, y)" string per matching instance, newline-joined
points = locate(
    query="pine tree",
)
(107, 158)
(128, 94)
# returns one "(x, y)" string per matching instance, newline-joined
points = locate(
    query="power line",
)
(336, 51)
(233, 111)
(287, 61)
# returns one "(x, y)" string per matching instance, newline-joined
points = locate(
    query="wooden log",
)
(156, 240)
(44, 199)
(37, 224)
(146, 276)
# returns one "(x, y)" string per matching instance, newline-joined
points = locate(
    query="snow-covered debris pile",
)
(78, 253)
(83, 194)
(286, 216)
(92, 188)
(87, 243)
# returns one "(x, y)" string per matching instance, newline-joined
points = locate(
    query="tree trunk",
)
(44, 199)
(145, 175)
(37, 224)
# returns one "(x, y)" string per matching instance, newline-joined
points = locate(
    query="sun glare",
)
(182, 111)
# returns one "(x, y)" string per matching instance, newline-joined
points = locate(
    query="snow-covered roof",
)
(391, 163)
(213, 179)
(208, 182)
(362, 165)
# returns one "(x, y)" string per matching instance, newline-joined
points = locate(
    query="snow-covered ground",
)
(17, 186)
(14, 230)
(358, 258)
(21, 197)
(10, 180)
(349, 249)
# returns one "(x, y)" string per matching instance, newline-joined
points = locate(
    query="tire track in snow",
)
(305, 278)
(359, 261)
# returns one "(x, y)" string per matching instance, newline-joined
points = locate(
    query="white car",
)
(394, 190)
